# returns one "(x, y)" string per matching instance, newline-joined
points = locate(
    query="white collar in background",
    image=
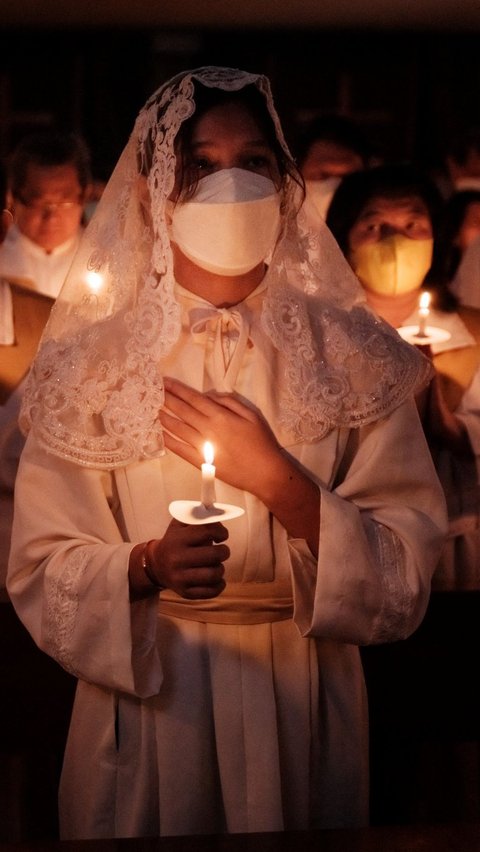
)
(14, 236)
(7, 333)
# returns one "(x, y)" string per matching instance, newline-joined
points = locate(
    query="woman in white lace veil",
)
(220, 688)
(118, 316)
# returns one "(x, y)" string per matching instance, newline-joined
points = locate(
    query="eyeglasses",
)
(44, 207)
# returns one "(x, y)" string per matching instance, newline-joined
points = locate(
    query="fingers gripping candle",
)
(208, 476)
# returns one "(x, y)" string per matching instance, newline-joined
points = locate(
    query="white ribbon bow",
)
(229, 329)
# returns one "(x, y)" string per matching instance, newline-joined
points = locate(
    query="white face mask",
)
(321, 192)
(231, 224)
(393, 266)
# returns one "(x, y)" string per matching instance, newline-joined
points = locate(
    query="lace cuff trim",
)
(397, 595)
(62, 596)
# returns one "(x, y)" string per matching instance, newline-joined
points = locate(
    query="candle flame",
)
(208, 452)
(424, 300)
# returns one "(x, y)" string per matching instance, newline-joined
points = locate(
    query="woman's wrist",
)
(148, 565)
(143, 579)
(294, 499)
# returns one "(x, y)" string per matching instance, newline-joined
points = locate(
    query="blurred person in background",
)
(457, 250)
(462, 161)
(48, 182)
(23, 314)
(424, 717)
(385, 221)
(331, 147)
(458, 168)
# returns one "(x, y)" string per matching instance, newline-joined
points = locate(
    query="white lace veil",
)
(95, 388)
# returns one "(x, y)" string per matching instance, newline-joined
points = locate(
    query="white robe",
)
(16, 339)
(25, 262)
(11, 445)
(459, 567)
(246, 713)
(466, 281)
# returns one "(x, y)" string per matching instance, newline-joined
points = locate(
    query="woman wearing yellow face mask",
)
(385, 220)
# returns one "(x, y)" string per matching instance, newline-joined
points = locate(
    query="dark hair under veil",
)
(250, 97)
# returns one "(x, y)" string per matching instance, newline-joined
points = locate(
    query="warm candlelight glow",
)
(208, 510)
(424, 300)
(208, 476)
(208, 453)
(423, 312)
(94, 281)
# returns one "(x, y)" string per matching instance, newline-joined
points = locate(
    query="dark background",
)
(409, 72)
(410, 90)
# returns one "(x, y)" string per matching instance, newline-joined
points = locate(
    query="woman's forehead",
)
(381, 205)
(226, 119)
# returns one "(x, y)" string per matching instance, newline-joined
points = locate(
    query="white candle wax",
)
(423, 314)
(208, 477)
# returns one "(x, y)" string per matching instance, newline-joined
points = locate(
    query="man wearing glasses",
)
(49, 180)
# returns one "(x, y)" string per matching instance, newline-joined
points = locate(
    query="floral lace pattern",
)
(399, 598)
(340, 368)
(62, 591)
(95, 389)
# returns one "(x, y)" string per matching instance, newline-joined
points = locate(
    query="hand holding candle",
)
(208, 477)
(185, 413)
(423, 314)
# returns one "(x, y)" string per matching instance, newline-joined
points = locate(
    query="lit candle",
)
(208, 477)
(423, 313)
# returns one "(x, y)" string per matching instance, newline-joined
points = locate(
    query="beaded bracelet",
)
(147, 567)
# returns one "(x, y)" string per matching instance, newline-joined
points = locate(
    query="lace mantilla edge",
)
(343, 368)
(123, 408)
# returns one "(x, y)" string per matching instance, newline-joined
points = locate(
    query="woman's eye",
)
(201, 164)
(257, 162)
(266, 165)
(414, 226)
